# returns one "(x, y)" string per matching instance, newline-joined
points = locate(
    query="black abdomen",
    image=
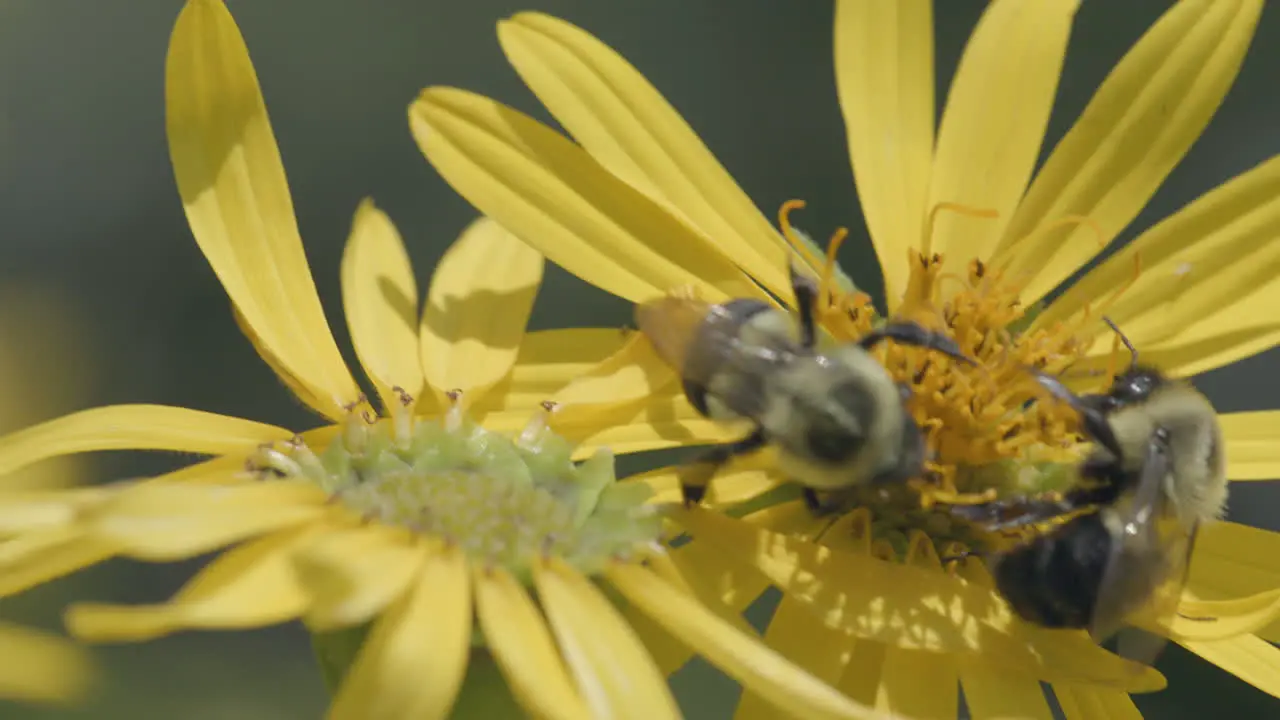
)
(1054, 580)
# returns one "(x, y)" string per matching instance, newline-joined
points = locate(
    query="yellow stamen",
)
(926, 243)
(789, 233)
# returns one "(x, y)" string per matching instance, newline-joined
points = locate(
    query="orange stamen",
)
(833, 246)
(926, 243)
(788, 232)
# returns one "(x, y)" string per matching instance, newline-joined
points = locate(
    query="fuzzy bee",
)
(836, 416)
(1157, 472)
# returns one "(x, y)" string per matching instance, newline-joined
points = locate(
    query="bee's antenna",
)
(1133, 351)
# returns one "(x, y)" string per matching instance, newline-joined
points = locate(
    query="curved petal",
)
(1221, 619)
(478, 305)
(41, 668)
(352, 575)
(546, 361)
(37, 558)
(919, 683)
(805, 640)
(249, 586)
(994, 121)
(873, 599)
(413, 662)
(630, 129)
(1249, 658)
(381, 300)
(1086, 703)
(634, 372)
(520, 642)
(1203, 346)
(739, 655)
(551, 194)
(1253, 444)
(135, 427)
(1138, 126)
(233, 188)
(884, 79)
(616, 675)
(166, 522)
(992, 692)
(1232, 561)
(1195, 269)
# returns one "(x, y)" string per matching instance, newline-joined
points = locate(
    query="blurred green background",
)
(104, 297)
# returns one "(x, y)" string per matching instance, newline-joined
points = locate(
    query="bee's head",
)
(1134, 385)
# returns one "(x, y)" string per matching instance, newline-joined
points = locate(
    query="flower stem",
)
(485, 693)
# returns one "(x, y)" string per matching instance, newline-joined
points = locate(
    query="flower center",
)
(504, 501)
(989, 432)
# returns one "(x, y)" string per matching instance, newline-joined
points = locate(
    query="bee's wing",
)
(697, 338)
(1148, 565)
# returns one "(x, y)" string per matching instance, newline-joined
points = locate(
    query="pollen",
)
(505, 501)
(989, 430)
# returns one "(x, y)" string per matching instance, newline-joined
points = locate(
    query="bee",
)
(1156, 473)
(836, 416)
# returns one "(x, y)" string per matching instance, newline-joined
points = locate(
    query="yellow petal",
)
(1140, 123)
(1233, 579)
(134, 427)
(1221, 619)
(739, 655)
(25, 511)
(1253, 444)
(918, 683)
(1249, 658)
(551, 194)
(547, 361)
(884, 77)
(520, 642)
(36, 667)
(993, 692)
(36, 558)
(800, 637)
(381, 300)
(477, 307)
(249, 586)
(414, 659)
(630, 129)
(1200, 264)
(165, 522)
(616, 676)
(353, 575)
(237, 200)
(994, 120)
(634, 372)
(878, 600)
(1215, 342)
(1085, 703)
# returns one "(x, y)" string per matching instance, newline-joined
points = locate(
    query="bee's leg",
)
(695, 476)
(816, 504)
(909, 333)
(1012, 513)
(957, 557)
(1092, 416)
(806, 293)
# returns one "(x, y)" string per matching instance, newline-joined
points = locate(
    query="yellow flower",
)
(446, 509)
(35, 666)
(968, 241)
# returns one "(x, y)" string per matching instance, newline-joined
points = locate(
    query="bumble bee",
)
(836, 416)
(1157, 472)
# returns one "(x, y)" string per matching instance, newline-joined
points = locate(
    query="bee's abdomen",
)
(740, 312)
(1054, 580)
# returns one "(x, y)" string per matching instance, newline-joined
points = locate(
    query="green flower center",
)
(504, 500)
